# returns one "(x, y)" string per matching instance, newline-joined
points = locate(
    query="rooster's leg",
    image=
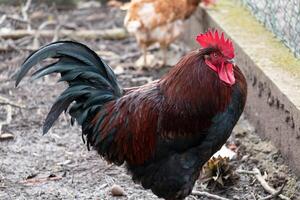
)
(164, 50)
(145, 55)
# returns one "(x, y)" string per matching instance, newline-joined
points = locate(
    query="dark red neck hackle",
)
(213, 39)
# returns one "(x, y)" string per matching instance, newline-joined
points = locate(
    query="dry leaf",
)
(218, 172)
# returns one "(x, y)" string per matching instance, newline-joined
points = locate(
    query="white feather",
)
(147, 14)
(133, 26)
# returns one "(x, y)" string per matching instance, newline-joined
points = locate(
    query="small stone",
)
(119, 70)
(66, 162)
(89, 4)
(117, 190)
(6, 136)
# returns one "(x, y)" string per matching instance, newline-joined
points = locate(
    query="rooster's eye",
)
(215, 55)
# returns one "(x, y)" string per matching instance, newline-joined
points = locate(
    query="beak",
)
(232, 61)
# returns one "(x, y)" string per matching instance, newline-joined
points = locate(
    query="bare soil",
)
(58, 165)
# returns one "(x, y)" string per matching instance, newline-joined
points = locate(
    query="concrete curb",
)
(272, 72)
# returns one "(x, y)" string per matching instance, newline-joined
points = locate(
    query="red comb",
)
(209, 2)
(213, 39)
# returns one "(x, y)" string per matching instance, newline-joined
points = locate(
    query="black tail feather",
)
(92, 82)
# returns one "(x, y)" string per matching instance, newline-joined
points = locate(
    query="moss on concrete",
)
(259, 43)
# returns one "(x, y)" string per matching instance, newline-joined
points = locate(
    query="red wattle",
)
(226, 73)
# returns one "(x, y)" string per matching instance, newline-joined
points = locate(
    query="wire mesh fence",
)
(282, 17)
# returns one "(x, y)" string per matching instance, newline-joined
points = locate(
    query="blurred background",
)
(58, 166)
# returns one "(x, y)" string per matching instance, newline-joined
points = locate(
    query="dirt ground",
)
(58, 165)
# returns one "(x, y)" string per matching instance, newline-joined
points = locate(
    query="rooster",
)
(165, 130)
(159, 21)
